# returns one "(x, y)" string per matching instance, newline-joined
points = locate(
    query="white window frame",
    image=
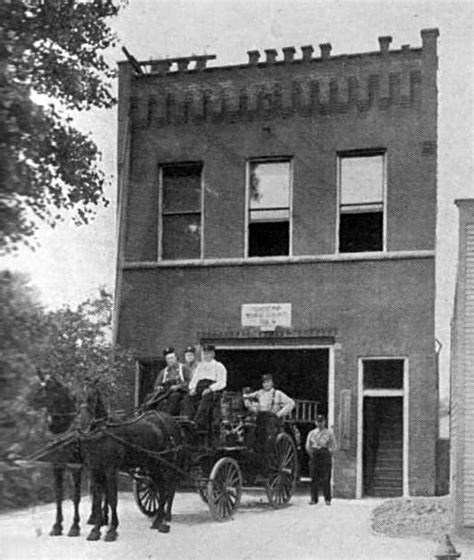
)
(362, 154)
(404, 393)
(247, 221)
(160, 212)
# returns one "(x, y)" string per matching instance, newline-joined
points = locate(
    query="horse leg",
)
(105, 511)
(160, 514)
(57, 528)
(75, 529)
(169, 503)
(112, 498)
(96, 514)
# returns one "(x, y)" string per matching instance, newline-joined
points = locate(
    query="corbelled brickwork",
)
(278, 88)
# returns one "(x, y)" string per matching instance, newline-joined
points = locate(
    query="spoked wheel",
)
(146, 495)
(282, 472)
(224, 489)
(202, 491)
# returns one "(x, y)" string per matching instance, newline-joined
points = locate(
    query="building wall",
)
(462, 378)
(322, 107)
(310, 110)
(378, 308)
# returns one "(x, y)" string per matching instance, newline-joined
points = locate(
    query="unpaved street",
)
(256, 533)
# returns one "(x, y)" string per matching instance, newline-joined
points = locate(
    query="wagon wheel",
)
(202, 491)
(224, 488)
(146, 495)
(283, 471)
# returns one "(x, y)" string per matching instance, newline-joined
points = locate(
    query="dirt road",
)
(299, 532)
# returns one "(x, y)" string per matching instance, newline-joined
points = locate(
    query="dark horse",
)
(152, 442)
(62, 408)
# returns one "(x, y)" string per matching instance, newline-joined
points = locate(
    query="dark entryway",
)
(300, 373)
(383, 446)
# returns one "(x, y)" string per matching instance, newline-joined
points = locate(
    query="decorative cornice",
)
(310, 94)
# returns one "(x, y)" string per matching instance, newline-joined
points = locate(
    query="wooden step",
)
(386, 492)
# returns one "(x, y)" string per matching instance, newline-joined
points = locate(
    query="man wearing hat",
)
(269, 399)
(190, 359)
(320, 446)
(171, 385)
(209, 379)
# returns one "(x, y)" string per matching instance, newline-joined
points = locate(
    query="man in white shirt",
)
(209, 379)
(320, 446)
(269, 399)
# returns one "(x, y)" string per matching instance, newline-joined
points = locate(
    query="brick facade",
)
(309, 110)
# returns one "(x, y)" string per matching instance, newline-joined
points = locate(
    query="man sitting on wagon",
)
(269, 399)
(208, 382)
(171, 385)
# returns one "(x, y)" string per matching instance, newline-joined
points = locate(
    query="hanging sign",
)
(266, 316)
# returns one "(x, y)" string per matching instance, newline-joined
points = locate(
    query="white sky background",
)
(72, 262)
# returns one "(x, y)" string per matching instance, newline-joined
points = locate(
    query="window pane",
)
(182, 237)
(269, 185)
(269, 215)
(269, 239)
(361, 179)
(182, 188)
(361, 232)
(383, 374)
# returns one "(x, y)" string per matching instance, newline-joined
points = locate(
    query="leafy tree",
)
(51, 47)
(73, 344)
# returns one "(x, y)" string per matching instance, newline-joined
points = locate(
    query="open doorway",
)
(382, 465)
(301, 373)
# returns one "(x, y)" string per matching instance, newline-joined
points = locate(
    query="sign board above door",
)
(266, 316)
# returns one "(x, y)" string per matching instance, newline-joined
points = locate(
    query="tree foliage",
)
(55, 48)
(75, 345)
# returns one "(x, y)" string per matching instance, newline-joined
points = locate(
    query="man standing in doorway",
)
(320, 446)
(269, 399)
(209, 380)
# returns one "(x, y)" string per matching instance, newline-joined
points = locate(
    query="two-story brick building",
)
(285, 210)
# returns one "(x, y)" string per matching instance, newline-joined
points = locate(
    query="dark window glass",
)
(269, 209)
(181, 211)
(181, 236)
(361, 203)
(269, 239)
(361, 232)
(383, 374)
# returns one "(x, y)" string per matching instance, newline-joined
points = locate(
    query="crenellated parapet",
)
(186, 91)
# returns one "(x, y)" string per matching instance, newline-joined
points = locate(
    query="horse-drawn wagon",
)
(239, 452)
(162, 453)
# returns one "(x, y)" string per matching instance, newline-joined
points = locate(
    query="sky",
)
(71, 263)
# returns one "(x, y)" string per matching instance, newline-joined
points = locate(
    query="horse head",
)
(51, 394)
(92, 409)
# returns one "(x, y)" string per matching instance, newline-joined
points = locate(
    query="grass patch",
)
(407, 517)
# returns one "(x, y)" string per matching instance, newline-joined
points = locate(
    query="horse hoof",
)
(56, 531)
(74, 531)
(93, 535)
(164, 528)
(111, 536)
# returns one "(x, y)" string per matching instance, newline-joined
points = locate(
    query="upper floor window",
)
(361, 208)
(181, 211)
(269, 208)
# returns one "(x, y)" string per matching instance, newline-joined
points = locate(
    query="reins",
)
(158, 455)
